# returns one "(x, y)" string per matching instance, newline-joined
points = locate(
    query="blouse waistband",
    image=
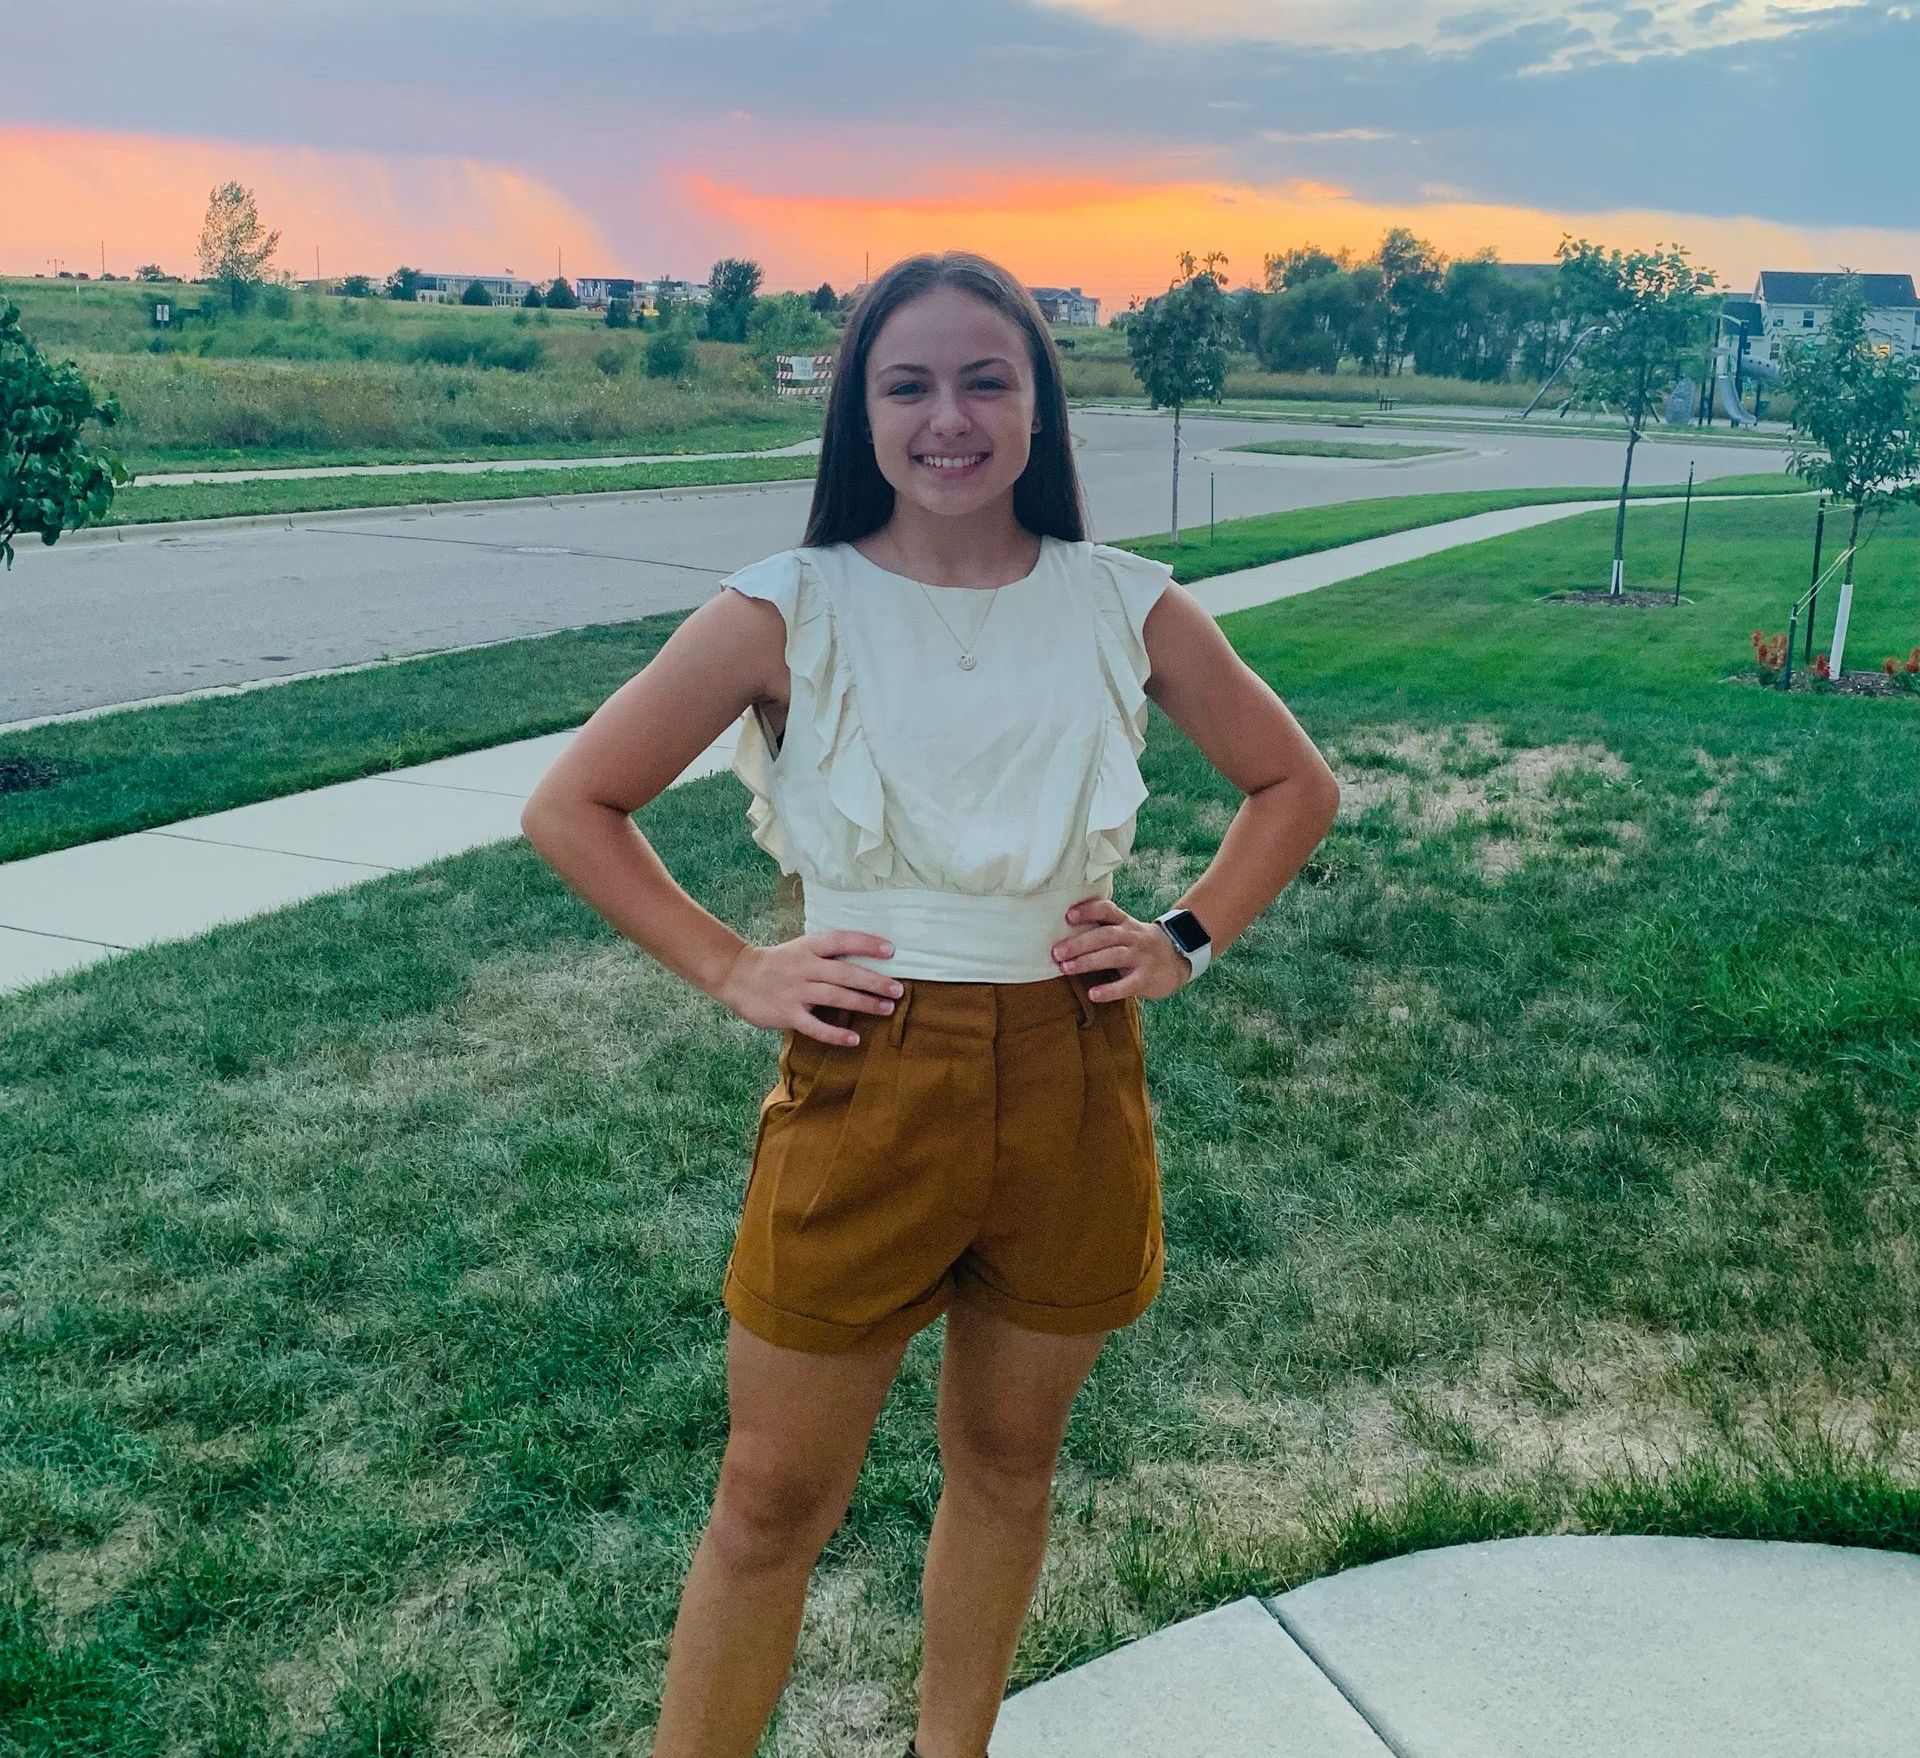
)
(954, 936)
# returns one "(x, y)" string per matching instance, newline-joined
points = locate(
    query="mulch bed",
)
(1637, 600)
(1853, 683)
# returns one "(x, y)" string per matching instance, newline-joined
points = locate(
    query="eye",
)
(994, 382)
(903, 385)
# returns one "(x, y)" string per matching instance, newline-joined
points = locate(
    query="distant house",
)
(1793, 304)
(446, 289)
(687, 292)
(1065, 305)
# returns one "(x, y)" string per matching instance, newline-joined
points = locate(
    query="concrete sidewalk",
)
(64, 910)
(1566, 1647)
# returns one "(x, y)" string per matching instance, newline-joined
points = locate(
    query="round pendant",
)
(966, 662)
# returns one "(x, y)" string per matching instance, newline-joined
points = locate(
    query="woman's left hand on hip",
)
(1141, 954)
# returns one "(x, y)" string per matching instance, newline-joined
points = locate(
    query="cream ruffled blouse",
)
(957, 813)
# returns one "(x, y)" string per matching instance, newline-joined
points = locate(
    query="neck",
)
(987, 548)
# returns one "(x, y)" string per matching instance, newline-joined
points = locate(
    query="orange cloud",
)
(1116, 238)
(65, 192)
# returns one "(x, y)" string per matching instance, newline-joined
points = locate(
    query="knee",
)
(1013, 1470)
(770, 1516)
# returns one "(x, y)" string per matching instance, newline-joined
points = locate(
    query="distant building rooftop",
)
(1793, 287)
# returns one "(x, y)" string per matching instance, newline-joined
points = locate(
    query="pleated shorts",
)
(989, 1142)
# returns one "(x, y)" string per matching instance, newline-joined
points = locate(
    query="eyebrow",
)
(910, 366)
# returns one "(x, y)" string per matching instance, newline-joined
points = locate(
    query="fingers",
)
(1078, 950)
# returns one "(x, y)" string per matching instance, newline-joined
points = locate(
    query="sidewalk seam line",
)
(71, 939)
(291, 853)
(1332, 1678)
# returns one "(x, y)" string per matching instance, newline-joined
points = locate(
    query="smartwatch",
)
(1183, 928)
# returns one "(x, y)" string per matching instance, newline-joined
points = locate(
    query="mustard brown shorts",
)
(989, 1142)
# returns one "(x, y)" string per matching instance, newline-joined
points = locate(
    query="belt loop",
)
(897, 1021)
(1078, 981)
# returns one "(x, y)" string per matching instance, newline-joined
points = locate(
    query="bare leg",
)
(1005, 1395)
(799, 1425)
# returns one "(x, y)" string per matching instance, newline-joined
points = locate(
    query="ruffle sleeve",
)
(822, 698)
(1129, 585)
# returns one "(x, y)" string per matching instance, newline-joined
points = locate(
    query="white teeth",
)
(953, 463)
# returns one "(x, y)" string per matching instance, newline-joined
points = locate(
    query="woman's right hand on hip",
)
(779, 986)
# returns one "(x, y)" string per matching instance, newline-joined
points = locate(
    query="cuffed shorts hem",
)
(793, 1330)
(1065, 1321)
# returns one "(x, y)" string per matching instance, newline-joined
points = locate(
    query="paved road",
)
(97, 622)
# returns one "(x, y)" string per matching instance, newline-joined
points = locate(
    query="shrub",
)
(51, 478)
(667, 355)
(619, 314)
(474, 293)
(610, 361)
(1769, 654)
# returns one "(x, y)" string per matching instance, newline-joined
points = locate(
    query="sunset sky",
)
(1083, 142)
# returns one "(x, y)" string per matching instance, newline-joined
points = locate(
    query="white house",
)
(1795, 304)
(1066, 305)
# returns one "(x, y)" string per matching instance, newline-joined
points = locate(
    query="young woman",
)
(942, 695)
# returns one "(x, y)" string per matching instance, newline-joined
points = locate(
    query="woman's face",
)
(948, 377)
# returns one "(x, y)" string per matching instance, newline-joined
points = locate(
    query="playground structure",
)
(1730, 365)
(1728, 368)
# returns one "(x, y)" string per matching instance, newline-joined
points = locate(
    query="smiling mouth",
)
(950, 460)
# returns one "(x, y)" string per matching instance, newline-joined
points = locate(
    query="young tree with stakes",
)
(1854, 421)
(1652, 304)
(1178, 345)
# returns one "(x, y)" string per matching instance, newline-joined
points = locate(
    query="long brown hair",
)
(850, 496)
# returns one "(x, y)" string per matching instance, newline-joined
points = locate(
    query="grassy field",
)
(1339, 449)
(142, 768)
(221, 500)
(357, 380)
(377, 380)
(1543, 1160)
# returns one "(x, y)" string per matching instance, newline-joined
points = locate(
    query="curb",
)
(150, 528)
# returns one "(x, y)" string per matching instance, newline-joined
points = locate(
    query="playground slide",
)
(1726, 402)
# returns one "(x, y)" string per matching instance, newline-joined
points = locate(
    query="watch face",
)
(1186, 930)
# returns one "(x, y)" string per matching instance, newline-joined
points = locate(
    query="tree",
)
(403, 283)
(357, 287)
(1854, 425)
(1410, 268)
(1304, 262)
(825, 300)
(51, 477)
(234, 246)
(619, 313)
(1649, 306)
(732, 283)
(1178, 346)
(532, 300)
(149, 271)
(475, 293)
(561, 296)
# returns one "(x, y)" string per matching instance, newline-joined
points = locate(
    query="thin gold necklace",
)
(967, 660)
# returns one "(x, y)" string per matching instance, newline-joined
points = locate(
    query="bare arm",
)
(1248, 734)
(724, 656)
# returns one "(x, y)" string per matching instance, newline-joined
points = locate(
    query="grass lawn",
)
(1543, 1160)
(219, 500)
(1339, 449)
(135, 770)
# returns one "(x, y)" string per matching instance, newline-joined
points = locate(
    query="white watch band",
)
(1199, 958)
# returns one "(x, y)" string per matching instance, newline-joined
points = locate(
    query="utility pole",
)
(103, 259)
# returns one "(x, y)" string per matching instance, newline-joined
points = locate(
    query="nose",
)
(948, 416)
